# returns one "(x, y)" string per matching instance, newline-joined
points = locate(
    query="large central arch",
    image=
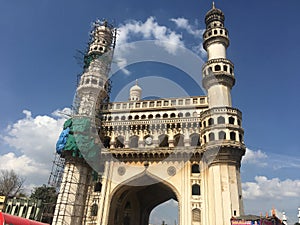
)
(133, 201)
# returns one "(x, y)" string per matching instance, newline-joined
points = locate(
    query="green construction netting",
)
(80, 140)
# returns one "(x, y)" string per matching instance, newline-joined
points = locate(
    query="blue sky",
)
(39, 39)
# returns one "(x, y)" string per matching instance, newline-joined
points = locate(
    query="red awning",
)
(15, 220)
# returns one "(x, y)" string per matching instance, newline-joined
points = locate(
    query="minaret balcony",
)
(218, 65)
(213, 35)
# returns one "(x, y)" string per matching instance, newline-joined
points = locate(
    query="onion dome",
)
(135, 92)
(214, 15)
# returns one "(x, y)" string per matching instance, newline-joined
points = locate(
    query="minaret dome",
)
(135, 92)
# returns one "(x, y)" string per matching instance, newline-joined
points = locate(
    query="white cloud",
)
(134, 30)
(183, 23)
(271, 188)
(149, 30)
(32, 142)
(255, 157)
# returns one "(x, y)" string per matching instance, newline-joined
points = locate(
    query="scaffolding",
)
(56, 173)
(79, 186)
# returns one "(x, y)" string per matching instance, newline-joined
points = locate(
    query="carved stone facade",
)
(188, 149)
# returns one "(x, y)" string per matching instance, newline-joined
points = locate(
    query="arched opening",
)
(221, 120)
(133, 201)
(119, 143)
(163, 140)
(195, 139)
(94, 210)
(24, 211)
(134, 141)
(217, 67)
(196, 215)
(178, 140)
(106, 142)
(232, 136)
(195, 168)
(222, 135)
(231, 120)
(196, 189)
(210, 121)
(211, 136)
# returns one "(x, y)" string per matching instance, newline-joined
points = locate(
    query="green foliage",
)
(44, 193)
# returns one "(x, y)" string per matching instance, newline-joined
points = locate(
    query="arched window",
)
(119, 143)
(239, 122)
(195, 139)
(24, 211)
(165, 115)
(16, 210)
(123, 118)
(163, 140)
(94, 210)
(172, 115)
(222, 135)
(232, 136)
(106, 142)
(180, 115)
(215, 32)
(225, 67)
(98, 187)
(129, 117)
(116, 118)
(231, 120)
(150, 116)
(178, 140)
(196, 189)
(211, 136)
(195, 168)
(136, 117)
(134, 141)
(32, 213)
(196, 215)
(210, 121)
(217, 67)
(128, 205)
(204, 138)
(157, 116)
(221, 120)
(187, 114)
(143, 117)
(8, 209)
(204, 124)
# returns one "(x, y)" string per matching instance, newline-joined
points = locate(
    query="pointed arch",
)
(195, 139)
(144, 192)
(134, 141)
(163, 140)
(178, 140)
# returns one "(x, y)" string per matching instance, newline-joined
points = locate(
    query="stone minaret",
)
(91, 93)
(222, 132)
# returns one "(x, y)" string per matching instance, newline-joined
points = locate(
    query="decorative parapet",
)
(160, 104)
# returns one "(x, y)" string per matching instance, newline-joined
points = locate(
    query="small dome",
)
(136, 88)
(135, 92)
(214, 14)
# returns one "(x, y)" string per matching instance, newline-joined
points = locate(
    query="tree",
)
(45, 193)
(48, 197)
(10, 183)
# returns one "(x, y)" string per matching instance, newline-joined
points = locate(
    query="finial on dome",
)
(213, 5)
(136, 82)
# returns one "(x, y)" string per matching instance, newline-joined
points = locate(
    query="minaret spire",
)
(213, 5)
